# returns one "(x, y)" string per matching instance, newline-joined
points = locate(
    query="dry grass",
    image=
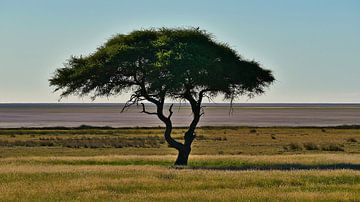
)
(167, 160)
(56, 173)
(33, 182)
(210, 141)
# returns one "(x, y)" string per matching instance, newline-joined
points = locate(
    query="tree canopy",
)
(154, 64)
(164, 62)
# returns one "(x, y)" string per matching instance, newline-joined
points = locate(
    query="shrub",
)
(311, 146)
(332, 147)
(352, 139)
(294, 147)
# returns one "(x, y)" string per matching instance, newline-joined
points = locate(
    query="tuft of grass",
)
(167, 176)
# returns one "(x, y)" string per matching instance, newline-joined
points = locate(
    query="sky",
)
(313, 47)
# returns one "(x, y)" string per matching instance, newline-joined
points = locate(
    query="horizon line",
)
(182, 103)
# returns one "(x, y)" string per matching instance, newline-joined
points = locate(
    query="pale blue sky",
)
(313, 46)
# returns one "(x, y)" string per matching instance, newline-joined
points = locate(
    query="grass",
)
(88, 141)
(130, 179)
(227, 164)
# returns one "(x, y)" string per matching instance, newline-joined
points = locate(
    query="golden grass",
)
(158, 183)
(210, 141)
(309, 159)
(145, 174)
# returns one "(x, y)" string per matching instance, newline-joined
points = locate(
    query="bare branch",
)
(134, 99)
(231, 110)
(209, 98)
(201, 95)
(202, 111)
(146, 112)
(170, 111)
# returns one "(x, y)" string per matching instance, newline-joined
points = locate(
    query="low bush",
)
(351, 140)
(332, 147)
(252, 131)
(311, 146)
(293, 147)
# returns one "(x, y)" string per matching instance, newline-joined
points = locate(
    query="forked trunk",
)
(184, 149)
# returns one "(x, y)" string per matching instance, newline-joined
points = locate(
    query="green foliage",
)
(159, 63)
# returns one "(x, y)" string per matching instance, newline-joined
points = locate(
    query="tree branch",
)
(145, 94)
(146, 112)
(202, 111)
(134, 99)
(170, 111)
(202, 94)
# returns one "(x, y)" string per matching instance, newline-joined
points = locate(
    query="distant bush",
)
(293, 147)
(352, 139)
(311, 146)
(332, 147)
(348, 127)
(252, 131)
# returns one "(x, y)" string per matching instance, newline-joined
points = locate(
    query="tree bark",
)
(183, 156)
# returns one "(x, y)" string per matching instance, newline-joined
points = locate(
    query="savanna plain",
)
(135, 164)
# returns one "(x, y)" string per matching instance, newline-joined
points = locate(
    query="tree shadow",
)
(337, 166)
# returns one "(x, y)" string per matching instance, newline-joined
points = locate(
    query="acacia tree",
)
(154, 64)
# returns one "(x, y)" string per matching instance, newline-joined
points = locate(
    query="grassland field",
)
(135, 164)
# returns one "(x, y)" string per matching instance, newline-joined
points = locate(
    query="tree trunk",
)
(183, 156)
(184, 149)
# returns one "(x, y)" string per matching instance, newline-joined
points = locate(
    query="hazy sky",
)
(313, 46)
